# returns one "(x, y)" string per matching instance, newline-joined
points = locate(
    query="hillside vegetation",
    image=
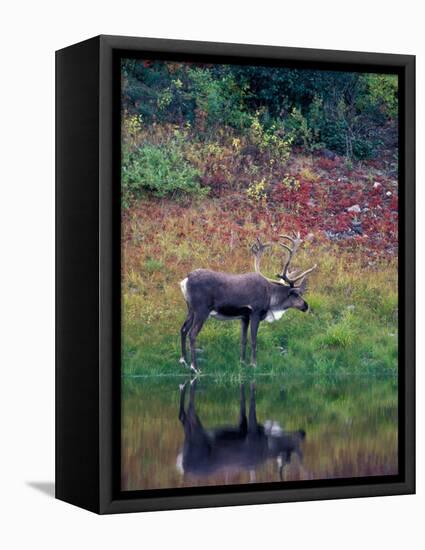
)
(215, 156)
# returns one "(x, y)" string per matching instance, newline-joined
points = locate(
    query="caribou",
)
(249, 297)
(233, 448)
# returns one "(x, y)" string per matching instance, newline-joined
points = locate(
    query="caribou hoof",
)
(182, 361)
(194, 369)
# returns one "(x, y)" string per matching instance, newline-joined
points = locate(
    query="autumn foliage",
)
(206, 170)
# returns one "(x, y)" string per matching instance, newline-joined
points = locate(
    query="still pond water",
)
(216, 432)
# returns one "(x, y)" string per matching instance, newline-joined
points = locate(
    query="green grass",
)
(330, 339)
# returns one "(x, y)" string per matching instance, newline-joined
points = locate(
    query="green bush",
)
(305, 130)
(218, 100)
(350, 113)
(272, 139)
(380, 96)
(161, 170)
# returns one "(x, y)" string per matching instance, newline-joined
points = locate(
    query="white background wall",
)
(30, 32)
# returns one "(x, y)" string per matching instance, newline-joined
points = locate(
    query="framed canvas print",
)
(235, 274)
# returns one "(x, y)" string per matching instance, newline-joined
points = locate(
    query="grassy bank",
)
(352, 326)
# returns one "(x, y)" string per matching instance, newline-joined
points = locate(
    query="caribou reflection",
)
(230, 449)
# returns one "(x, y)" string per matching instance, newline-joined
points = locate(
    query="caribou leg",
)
(255, 321)
(244, 331)
(198, 322)
(183, 333)
(252, 418)
(243, 424)
(192, 425)
(182, 412)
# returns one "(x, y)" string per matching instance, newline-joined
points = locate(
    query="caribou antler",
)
(292, 277)
(258, 248)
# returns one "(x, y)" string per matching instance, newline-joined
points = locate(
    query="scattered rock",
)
(357, 226)
(341, 235)
(388, 193)
(376, 185)
(355, 208)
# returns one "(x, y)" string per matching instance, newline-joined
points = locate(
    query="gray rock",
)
(355, 208)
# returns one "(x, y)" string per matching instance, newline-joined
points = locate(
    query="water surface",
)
(179, 434)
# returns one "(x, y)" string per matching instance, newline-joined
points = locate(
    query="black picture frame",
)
(88, 275)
